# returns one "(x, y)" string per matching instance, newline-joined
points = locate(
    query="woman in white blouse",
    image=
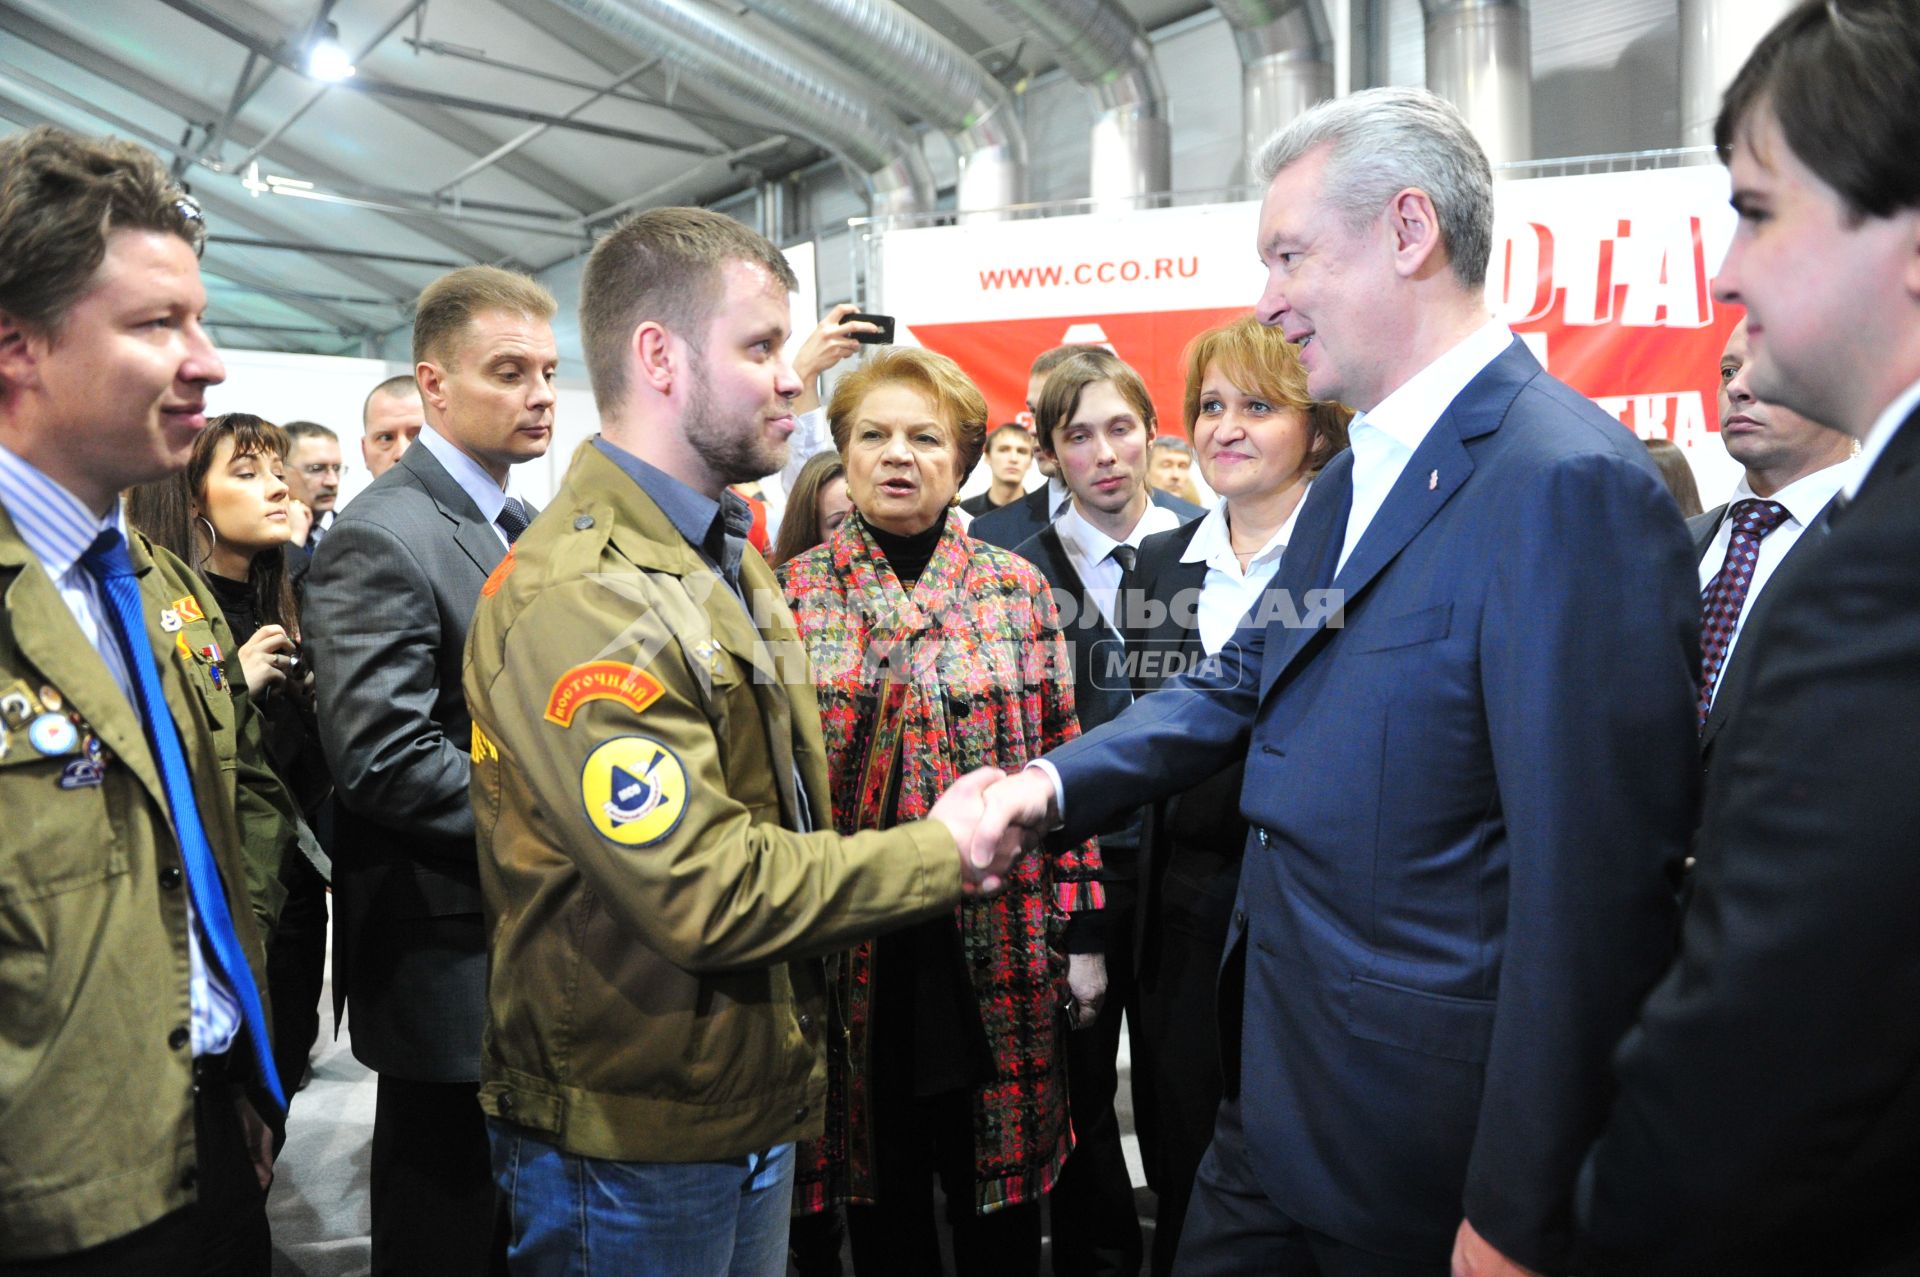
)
(1259, 439)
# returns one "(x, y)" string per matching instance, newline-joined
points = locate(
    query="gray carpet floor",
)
(318, 1206)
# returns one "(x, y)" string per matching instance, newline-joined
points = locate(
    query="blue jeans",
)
(578, 1216)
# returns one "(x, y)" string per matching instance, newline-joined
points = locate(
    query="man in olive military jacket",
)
(143, 830)
(648, 780)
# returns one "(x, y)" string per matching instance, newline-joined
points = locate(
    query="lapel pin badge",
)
(170, 620)
(1433, 480)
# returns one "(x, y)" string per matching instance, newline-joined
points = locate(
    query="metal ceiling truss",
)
(168, 98)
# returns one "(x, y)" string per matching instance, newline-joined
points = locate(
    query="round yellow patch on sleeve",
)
(634, 790)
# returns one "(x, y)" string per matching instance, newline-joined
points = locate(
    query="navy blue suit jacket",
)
(1471, 794)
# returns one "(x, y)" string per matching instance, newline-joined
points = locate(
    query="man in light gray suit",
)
(393, 588)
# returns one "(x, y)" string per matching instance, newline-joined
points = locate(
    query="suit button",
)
(1686, 866)
(582, 522)
(806, 1022)
(170, 877)
(179, 1038)
(189, 1177)
(800, 1114)
(1240, 918)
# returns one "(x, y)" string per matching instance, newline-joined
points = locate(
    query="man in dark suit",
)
(392, 591)
(1019, 520)
(1767, 1114)
(1095, 422)
(1467, 793)
(1793, 467)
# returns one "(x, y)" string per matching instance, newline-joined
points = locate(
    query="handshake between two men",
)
(995, 818)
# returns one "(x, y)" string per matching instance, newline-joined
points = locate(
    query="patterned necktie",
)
(1721, 601)
(107, 561)
(512, 519)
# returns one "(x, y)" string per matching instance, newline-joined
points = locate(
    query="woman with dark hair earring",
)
(227, 515)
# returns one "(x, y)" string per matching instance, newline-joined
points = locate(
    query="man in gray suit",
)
(393, 588)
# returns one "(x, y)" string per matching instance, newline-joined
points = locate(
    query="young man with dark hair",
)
(1766, 1117)
(144, 829)
(1095, 421)
(650, 783)
(1009, 454)
(389, 599)
(1018, 520)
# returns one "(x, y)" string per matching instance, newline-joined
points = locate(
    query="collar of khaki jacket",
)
(623, 519)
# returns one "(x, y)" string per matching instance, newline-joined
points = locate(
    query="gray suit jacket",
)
(393, 588)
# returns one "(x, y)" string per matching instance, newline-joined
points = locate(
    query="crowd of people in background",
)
(1497, 862)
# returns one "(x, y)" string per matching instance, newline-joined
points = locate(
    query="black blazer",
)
(1101, 684)
(1703, 527)
(1191, 844)
(1767, 1113)
(1015, 521)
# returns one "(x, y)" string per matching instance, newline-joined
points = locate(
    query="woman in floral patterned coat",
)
(934, 654)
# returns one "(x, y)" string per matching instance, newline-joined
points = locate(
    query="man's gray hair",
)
(1386, 140)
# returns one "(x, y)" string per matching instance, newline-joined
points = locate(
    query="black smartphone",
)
(883, 322)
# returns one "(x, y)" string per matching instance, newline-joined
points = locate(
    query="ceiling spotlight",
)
(326, 57)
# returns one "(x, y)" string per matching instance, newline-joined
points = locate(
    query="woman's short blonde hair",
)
(955, 398)
(1261, 361)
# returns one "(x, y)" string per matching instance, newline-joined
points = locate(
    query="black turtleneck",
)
(908, 556)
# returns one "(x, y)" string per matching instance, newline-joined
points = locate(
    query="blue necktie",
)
(108, 562)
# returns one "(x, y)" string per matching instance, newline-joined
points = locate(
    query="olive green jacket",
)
(96, 1087)
(653, 988)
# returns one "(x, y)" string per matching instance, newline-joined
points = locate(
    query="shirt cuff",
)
(1052, 773)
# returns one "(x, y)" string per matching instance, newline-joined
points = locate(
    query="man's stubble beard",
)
(731, 454)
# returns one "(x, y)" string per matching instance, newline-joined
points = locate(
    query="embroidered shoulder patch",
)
(634, 790)
(498, 577)
(601, 681)
(187, 609)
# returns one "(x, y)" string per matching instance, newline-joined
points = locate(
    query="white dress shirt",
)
(58, 528)
(1880, 434)
(1229, 592)
(1091, 551)
(1803, 499)
(1385, 438)
(473, 479)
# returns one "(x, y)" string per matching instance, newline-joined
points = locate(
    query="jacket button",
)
(582, 522)
(179, 1038)
(800, 1114)
(806, 1022)
(506, 1104)
(189, 1177)
(1240, 918)
(1688, 864)
(170, 877)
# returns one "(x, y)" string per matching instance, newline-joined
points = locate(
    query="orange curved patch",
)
(499, 576)
(601, 681)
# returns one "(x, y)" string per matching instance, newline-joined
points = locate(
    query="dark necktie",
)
(107, 561)
(315, 535)
(512, 519)
(1721, 601)
(1125, 555)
